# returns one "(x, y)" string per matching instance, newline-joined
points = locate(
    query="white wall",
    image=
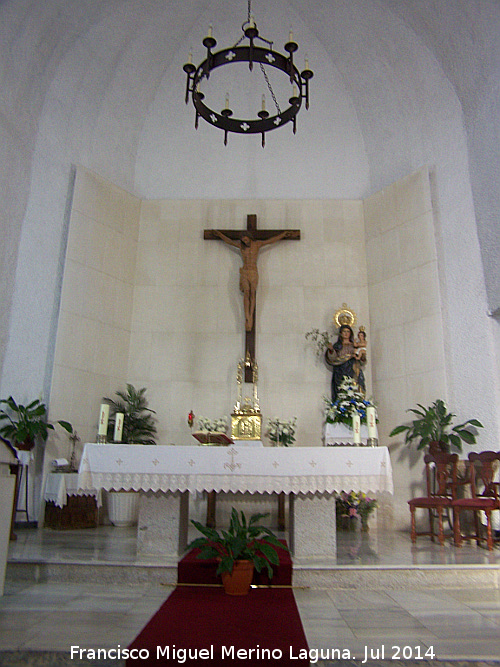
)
(406, 320)
(93, 334)
(187, 323)
(100, 84)
(145, 299)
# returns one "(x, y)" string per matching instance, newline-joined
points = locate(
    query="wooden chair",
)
(484, 497)
(441, 479)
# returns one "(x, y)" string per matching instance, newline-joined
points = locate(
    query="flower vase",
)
(346, 523)
(364, 524)
(123, 507)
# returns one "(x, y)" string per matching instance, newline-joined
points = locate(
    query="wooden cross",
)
(262, 236)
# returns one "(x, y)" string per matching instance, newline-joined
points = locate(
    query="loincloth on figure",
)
(248, 278)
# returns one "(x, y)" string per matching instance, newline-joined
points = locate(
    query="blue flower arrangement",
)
(350, 399)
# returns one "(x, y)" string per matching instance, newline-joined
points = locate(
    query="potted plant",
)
(350, 506)
(23, 424)
(139, 428)
(138, 423)
(245, 546)
(433, 428)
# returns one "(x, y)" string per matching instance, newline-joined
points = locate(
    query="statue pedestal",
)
(340, 435)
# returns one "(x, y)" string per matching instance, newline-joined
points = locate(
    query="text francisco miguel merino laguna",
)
(181, 655)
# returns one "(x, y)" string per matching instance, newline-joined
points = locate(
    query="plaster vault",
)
(398, 87)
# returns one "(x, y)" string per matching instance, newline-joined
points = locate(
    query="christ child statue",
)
(360, 345)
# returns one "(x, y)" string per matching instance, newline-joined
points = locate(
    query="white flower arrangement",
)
(282, 433)
(213, 425)
(350, 399)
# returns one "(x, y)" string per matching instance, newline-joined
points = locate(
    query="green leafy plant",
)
(434, 425)
(138, 423)
(21, 424)
(244, 540)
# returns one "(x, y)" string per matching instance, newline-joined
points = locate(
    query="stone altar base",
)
(163, 523)
(164, 517)
(313, 530)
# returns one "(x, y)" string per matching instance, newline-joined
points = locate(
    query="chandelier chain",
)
(238, 42)
(270, 88)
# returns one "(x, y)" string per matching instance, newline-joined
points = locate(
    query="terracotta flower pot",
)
(26, 446)
(238, 581)
(437, 447)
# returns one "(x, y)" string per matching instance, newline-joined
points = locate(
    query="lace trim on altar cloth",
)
(309, 484)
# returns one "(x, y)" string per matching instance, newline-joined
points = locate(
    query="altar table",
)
(60, 485)
(309, 475)
(67, 505)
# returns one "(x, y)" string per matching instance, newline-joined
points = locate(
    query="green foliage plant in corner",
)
(139, 425)
(22, 425)
(433, 428)
(244, 540)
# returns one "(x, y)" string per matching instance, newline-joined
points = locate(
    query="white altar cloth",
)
(58, 486)
(310, 475)
(235, 469)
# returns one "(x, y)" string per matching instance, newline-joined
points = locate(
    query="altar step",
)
(344, 577)
(374, 560)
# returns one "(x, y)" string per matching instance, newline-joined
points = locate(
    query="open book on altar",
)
(212, 438)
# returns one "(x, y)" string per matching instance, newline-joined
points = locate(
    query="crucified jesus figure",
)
(249, 276)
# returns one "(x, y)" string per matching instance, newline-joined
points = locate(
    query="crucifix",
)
(249, 241)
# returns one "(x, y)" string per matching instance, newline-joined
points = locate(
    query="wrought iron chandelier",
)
(265, 56)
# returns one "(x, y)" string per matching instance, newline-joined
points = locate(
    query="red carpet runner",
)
(200, 625)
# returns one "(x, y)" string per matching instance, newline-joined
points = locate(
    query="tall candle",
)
(356, 428)
(117, 436)
(103, 419)
(371, 418)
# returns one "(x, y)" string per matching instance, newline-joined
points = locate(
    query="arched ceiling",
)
(98, 72)
(37, 37)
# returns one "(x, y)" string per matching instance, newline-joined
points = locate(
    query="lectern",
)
(8, 474)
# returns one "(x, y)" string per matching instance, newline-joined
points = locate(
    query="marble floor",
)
(453, 623)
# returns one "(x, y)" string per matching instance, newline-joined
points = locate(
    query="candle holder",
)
(74, 438)
(101, 439)
(372, 442)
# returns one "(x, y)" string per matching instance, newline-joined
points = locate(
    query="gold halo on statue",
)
(345, 316)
